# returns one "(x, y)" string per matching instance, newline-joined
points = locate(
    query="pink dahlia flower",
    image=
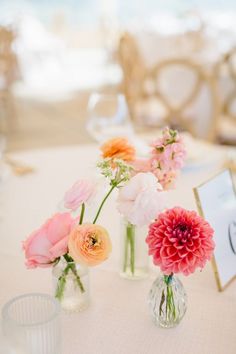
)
(180, 241)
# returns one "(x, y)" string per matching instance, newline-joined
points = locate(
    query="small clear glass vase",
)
(167, 301)
(134, 252)
(71, 285)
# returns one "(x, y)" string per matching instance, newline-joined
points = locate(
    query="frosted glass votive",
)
(31, 324)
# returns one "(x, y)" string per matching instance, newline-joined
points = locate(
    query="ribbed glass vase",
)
(71, 285)
(167, 301)
(134, 252)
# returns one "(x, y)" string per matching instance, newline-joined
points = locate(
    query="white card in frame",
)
(216, 201)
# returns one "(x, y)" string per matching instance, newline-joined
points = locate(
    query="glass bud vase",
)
(167, 301)
(134, 251)
(71, 285)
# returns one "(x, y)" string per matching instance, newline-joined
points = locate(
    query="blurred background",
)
(77, 71)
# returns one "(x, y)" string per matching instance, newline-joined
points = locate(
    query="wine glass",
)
(108, 117)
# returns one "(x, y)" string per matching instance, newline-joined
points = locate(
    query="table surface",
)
(118, 321)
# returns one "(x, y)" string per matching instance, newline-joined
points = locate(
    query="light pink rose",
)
(141, 199)
(49, 242)
(81, 192)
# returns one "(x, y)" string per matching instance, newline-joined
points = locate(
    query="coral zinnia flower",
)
(180, 241)
(118, 148)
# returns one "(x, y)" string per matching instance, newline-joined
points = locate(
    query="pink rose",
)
(89, 244)
(49, 242)
(79, 193)
(141, 199)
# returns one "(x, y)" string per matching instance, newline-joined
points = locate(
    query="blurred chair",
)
(132, 66)
(8, 72)
(226, 78)
(175, 92)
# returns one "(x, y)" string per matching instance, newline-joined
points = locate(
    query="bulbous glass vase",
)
(167, 301)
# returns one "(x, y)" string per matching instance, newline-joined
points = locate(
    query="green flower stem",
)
(82, 214)
(61, 283)
(170, 304)
(77, 277)
(72, 266)
(103, 201)
(62, 279)
(130, 245)
(126, 252)
(114, 183)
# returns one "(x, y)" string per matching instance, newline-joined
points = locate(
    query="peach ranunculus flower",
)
(141, 199)
(49, 242)
(118, 148)
(89, 244)
(81, 192)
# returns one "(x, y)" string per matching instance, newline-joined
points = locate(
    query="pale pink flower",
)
(141, 199)
(89, 244)
(166, 178)
(171, 158)
(81, 192)
(49, 242)
(141, 165)
(168, 136)
(169, 152)
(180, 241)
(166, 158)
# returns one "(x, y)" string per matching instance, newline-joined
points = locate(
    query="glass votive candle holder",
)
(31, 324)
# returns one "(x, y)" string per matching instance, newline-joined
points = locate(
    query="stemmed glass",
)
(108, 117)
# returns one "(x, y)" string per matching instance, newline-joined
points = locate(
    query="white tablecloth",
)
(118, 321)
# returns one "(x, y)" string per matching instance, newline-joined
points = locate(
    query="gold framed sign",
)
(216, 202)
